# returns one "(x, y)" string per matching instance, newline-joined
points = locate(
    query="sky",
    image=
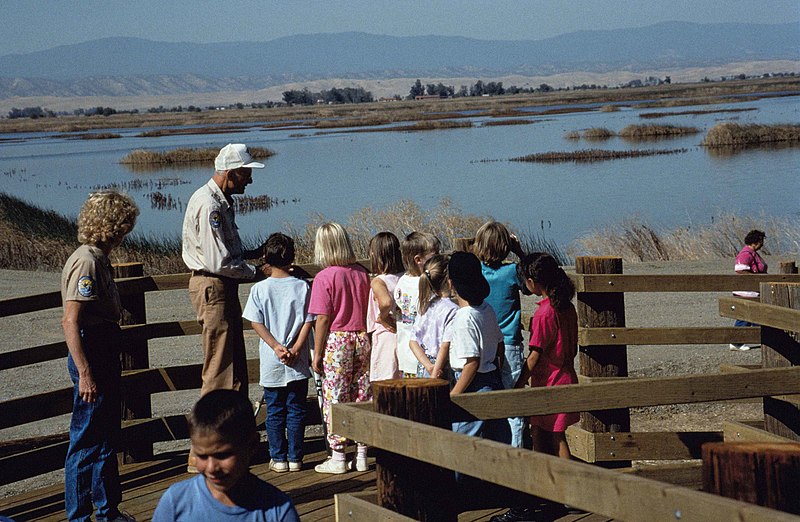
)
(34, 25)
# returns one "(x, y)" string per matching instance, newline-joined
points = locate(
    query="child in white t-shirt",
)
(416, 248)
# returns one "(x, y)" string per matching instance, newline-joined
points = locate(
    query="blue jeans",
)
(509, 373)
(286, 420)
(90, 469)
(495, 429)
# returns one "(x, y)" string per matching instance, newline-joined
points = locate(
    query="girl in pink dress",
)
(553, 345)
(387, 265)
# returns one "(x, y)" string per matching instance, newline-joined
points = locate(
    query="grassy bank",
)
(739, 135)
(592, 155)
(666, 95)
(183, 155)
(636, 240)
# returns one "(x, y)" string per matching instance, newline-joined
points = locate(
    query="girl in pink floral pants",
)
(339, 298)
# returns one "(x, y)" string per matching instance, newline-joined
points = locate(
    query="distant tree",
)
(30, 112)
(295, 97)
(462, 92)
(416, 90)
(544, 88)
(477, 89)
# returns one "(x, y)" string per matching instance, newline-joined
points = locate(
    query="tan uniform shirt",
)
(87, 276)
(211, 240)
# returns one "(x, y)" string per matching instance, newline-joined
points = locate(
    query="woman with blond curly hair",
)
(92, 312)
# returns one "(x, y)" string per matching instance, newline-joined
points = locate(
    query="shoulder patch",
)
(86, 286)
(215, 219)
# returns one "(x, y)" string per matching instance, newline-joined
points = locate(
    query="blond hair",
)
(418, 244)
(492, 242)
(432, 282)
(106, 217)
(332, 246)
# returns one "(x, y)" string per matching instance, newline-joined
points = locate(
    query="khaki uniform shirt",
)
(87, 277)
(211, 240)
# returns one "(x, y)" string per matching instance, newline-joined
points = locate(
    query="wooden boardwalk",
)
(144, 483)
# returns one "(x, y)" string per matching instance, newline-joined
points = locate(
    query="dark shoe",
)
(517, 514)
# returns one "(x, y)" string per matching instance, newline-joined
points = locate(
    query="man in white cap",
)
(213, 251)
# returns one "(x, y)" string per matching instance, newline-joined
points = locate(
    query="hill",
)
(125, 66)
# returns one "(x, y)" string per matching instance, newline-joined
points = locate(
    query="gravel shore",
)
(642, 310)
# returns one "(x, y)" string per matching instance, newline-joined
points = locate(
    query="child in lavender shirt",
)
(434, 315)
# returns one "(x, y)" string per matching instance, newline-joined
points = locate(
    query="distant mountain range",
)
(133, 66)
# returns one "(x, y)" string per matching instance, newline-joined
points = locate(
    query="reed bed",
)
(609, 108)
(592, 155)
(643, 132)
(598, 133)
(157, 133)
(572, 135)
(183, 155)
(635, 240)
(739, 135)
(499, 123)
(91, 136)
(653, 115)
(262, 203)
(415, 127)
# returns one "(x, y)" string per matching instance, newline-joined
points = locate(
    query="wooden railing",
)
(622, 496)
(605, 439)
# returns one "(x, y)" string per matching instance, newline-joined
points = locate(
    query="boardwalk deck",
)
(144, 483)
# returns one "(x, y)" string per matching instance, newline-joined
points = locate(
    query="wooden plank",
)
(50, 457)
(650, 336)
(684, 474)
(630, 393)
(741, 432)
(652, 445)
(30, 303)
(585, 486)
(621, 446)
(759, 313)
(677, 283)
(33, 355)
(363, 506)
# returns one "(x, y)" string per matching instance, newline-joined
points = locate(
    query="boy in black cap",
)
(476, 342)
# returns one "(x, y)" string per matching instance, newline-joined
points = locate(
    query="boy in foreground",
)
(224, 438)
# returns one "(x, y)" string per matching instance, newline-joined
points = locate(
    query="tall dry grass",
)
(592, 155)
(636, 240)
(183, 155)
(738, 135)
(642, 132)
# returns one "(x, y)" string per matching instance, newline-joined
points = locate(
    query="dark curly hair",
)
(754, 236)
(544, 270)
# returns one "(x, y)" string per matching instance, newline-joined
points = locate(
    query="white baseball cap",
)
(235, 155)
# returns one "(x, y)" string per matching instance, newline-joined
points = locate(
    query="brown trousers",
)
(216, 302)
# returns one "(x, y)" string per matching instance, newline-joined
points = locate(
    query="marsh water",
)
(338, 174)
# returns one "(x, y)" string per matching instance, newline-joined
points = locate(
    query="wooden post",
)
(766, 474)
(407, 486)
(601, 309)
(134, 356)
(787, 267)
(463, 244)
(780, 348)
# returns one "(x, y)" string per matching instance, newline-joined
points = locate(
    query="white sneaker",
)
(742, 347)
(278, 466)
(295, 466)
(359, 464)
(331, 466)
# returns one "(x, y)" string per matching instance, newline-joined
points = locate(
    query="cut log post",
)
(134, 356)
(766, 474)
(780, 348)
(407, 486)
(596, 309)
(463, 244)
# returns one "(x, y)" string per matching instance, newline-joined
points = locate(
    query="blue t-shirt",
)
(190, 500)
(280, 304)
(504, 299)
